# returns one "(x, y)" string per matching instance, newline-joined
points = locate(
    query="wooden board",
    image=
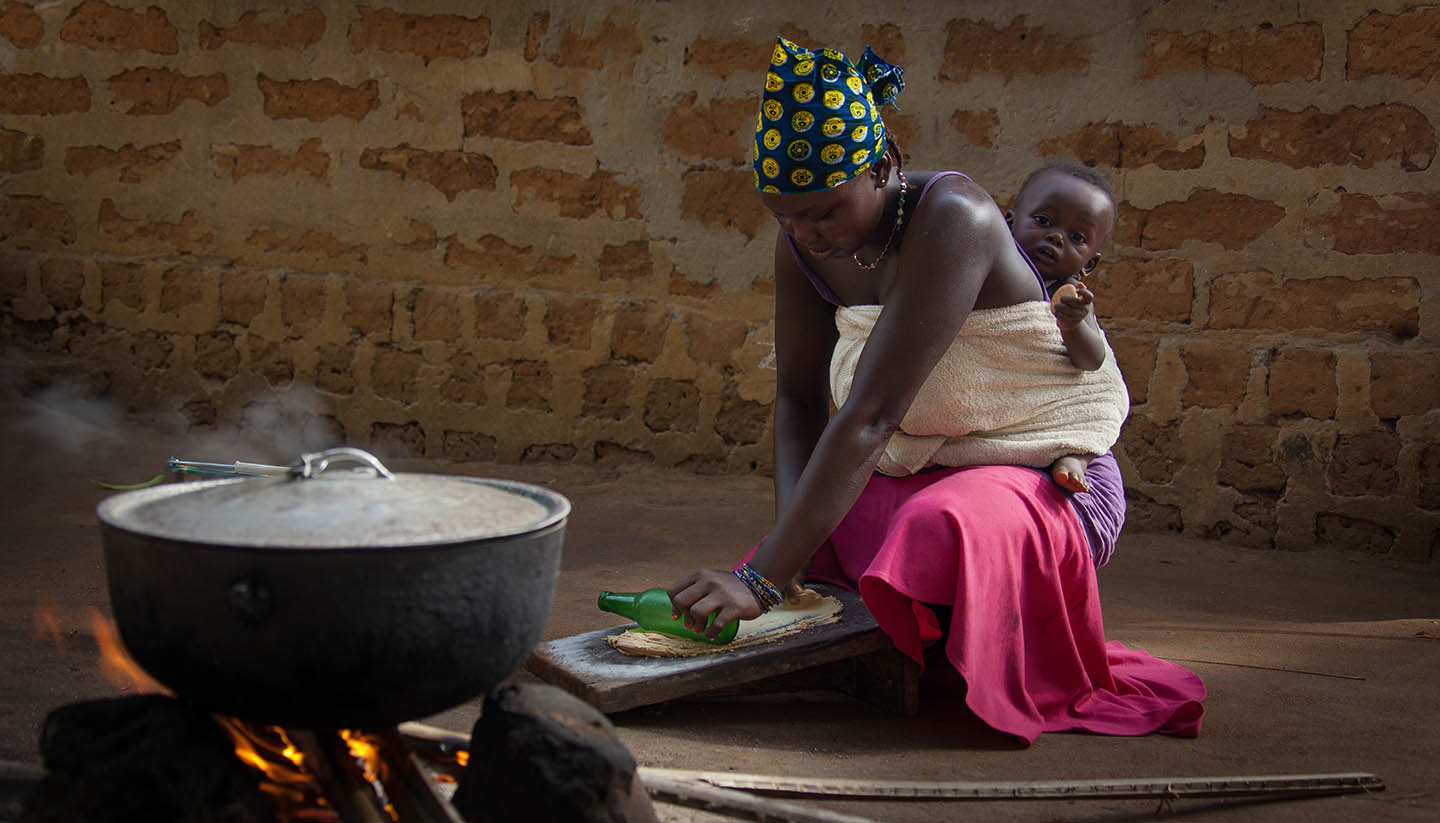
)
(589, 668)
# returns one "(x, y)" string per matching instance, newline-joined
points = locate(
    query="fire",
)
(115, 663)
(47, 624)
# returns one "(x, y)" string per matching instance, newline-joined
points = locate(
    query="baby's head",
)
(1062, 218)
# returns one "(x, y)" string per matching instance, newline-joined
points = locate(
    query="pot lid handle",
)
(312, 464)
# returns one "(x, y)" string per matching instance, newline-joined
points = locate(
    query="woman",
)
(927, 359)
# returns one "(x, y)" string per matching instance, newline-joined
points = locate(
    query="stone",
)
(468, 447)
(335, 369)
(216, 355)
(740, 421)
(607, 392)
(1247, 460)
(539, 753)
(673, 405)
(1340, 531)
(1364, 464)
(1153, 449)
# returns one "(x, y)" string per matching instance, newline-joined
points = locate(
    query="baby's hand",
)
(1072, 305)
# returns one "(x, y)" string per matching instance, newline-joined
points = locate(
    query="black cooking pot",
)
(330, 598)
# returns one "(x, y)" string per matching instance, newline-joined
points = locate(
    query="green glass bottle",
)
(652, 609)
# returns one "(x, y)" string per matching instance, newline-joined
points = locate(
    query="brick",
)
(317, 100)
(713, 339)
(569, 321)
(719, 130)
(451, 172)
(1231, 220)
(500, 316)
(1364, 464)
(182, 290)
(295, 31)
(524, 117)
(1217, 375)
(887, 40)
(974, 48)
(631, 261)
(415, 236)
(1145, 513)
(530, 385)
(130, 164)
(611, 453)
(308, 246)
(1153, 449)
(1247, 461)
(672, 405)
(1136, 359)
(428, 36)
(467, 447)
(237, 161)
(13, 276)
(397, 440)
(1302, 382)
(740, 421)
(149, 352)
(683, 286)
(242, 296)
(334, 368)
(535, 30)
(1408, 222)
(302, 300)
(615, 41)
(216, 355)
(38, 94)
(978, 126)
(97, 25)
(492, 256)
(724, 56)
(369, 306)
(1262, 300)
(199, 413)
(1338, 531)
(62, 282)
(1427, 490)
(395, 375)
(1353, 136)
(639, 331)
(578, 196)
(723, 199)
(28, 222)
(1404, 383)
(123, 283)
(464, 381)
(21, 25)
(184, 237)
(1161, 289)
(271, 360)
(548, 453)
(161, 91)
(607, 392)
(436, 314)
(1394, 45)
(20, 152)
(1126, 146)
(1263, 55)
(321, 431)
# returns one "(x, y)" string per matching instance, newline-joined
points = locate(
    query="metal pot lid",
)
(320, 507)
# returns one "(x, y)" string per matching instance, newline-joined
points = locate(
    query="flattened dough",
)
(809, 608)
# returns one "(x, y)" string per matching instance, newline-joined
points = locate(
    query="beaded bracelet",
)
(766, 592)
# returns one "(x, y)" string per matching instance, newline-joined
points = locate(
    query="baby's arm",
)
(1075, 315)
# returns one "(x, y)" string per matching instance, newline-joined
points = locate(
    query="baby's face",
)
(1062, 222)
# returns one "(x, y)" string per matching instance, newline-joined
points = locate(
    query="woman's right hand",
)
(700, 594)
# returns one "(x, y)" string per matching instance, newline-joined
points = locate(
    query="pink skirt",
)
(1002, 547)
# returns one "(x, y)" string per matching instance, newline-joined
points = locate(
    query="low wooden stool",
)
(852, 655)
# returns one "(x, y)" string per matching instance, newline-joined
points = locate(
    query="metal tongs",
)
(239, 468)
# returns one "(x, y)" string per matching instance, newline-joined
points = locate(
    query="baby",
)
(1062, 218)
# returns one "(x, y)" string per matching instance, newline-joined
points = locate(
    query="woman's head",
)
(819, 126)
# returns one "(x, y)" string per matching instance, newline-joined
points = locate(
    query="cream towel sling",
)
(1004, 393)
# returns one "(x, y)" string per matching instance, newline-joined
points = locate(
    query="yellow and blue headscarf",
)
(819, 125)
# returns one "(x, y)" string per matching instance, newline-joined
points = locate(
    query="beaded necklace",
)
(899, 218)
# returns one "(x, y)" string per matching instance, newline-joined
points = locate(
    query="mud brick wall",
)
(489, 231)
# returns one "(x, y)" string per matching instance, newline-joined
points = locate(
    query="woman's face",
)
(831, 223)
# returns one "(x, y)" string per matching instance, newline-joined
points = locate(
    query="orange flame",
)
(47, 624)
(267, 750)
(115, 663)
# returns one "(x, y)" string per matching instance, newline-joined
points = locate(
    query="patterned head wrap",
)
(818, 124)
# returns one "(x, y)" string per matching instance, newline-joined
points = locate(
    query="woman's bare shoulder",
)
(952, 197)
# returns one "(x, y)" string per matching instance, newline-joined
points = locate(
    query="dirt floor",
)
(1316, 662)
